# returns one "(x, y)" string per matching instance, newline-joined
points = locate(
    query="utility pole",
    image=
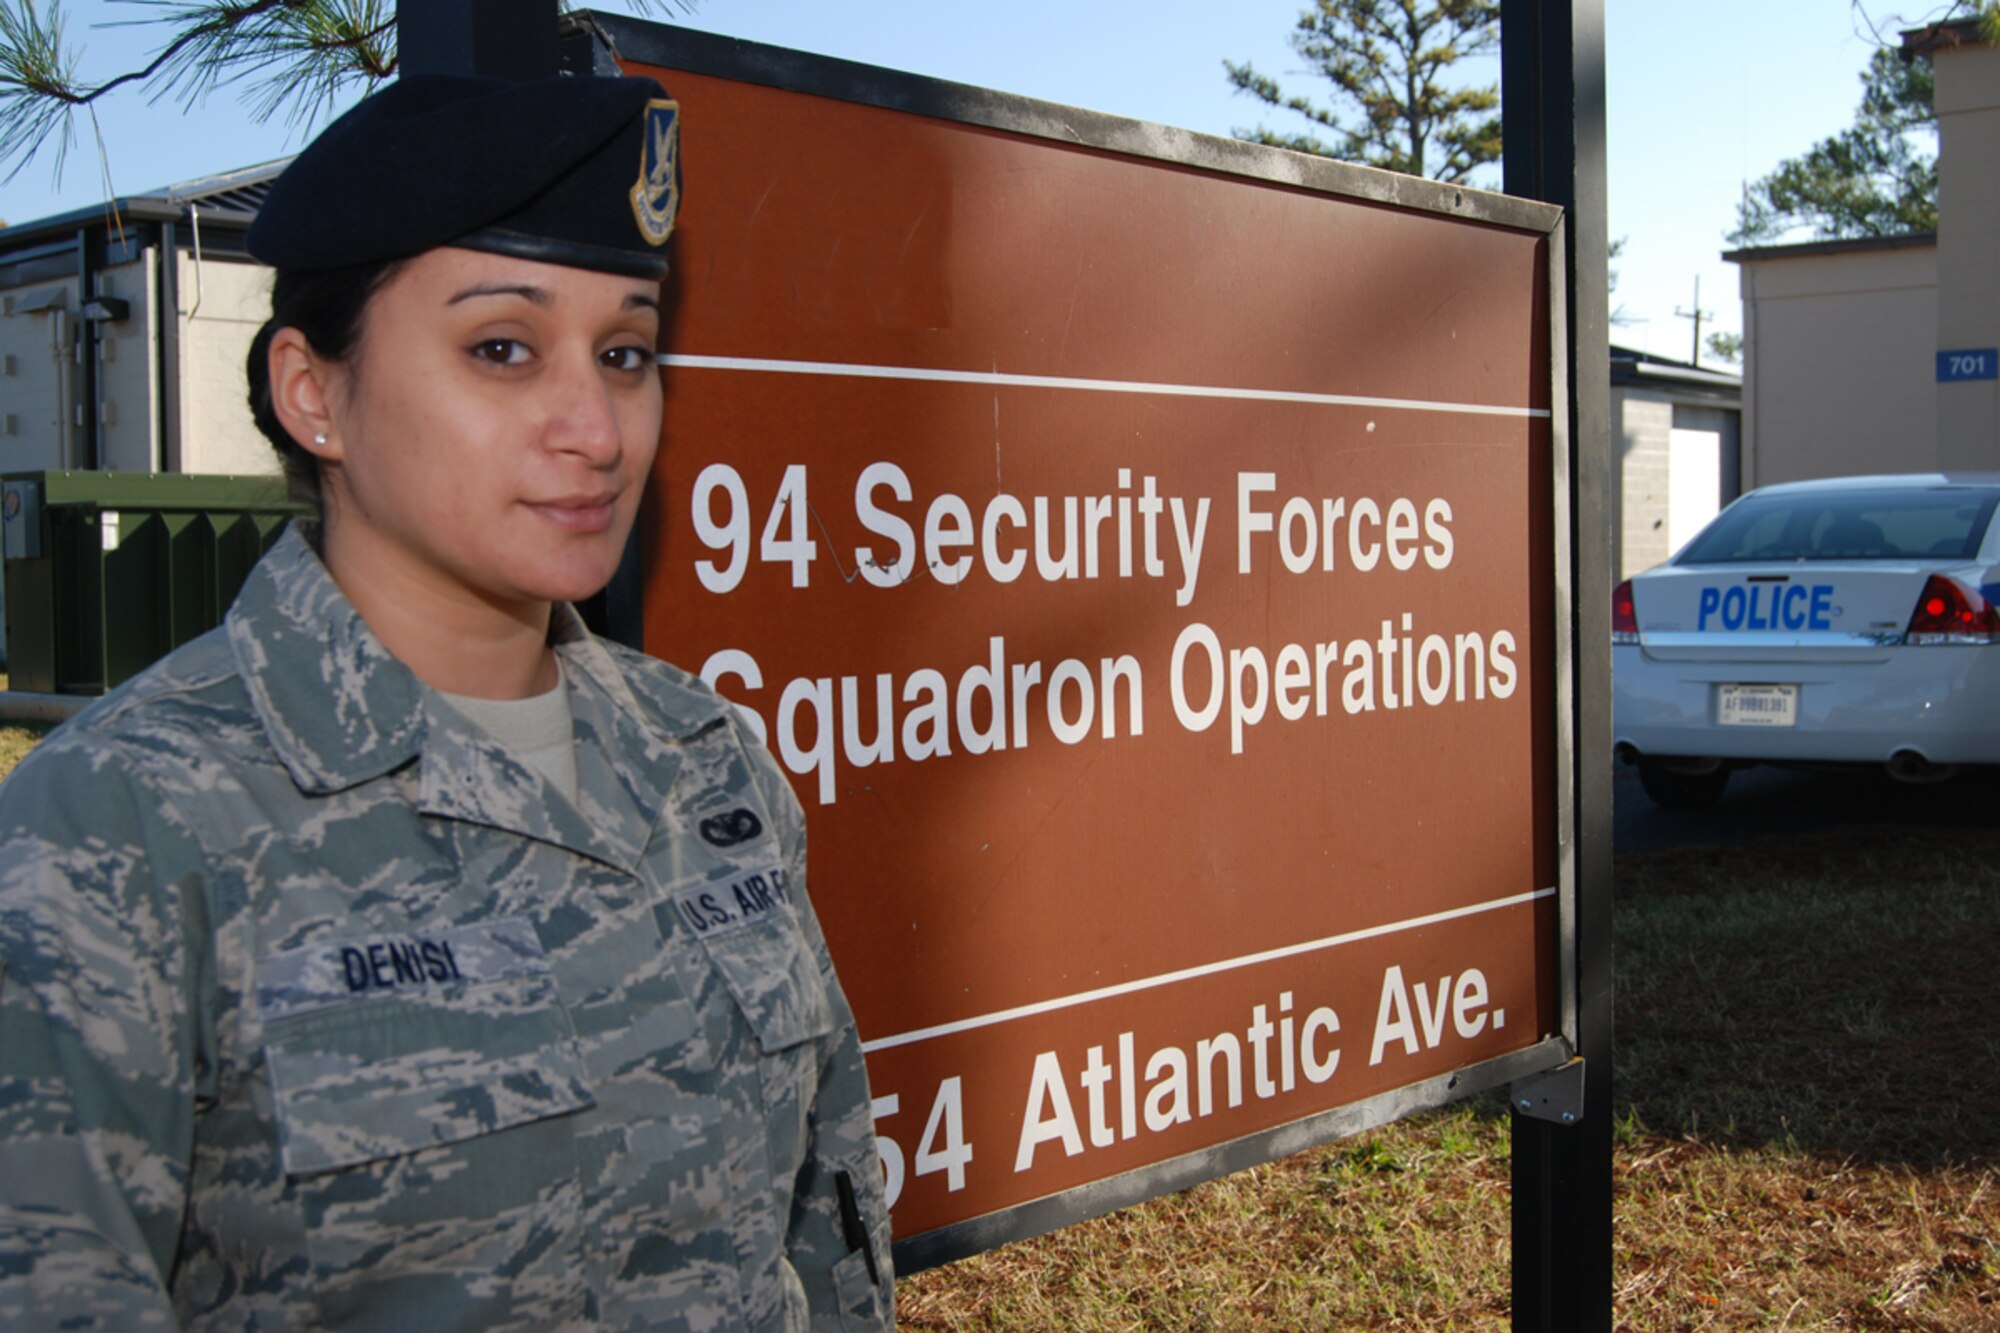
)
(1697, 315)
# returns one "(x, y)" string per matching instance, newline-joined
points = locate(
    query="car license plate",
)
(1757, 705)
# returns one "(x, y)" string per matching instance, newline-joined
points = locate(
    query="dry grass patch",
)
(18, 738)
(1717, 1237)
(16, 741)
(1402, 1228)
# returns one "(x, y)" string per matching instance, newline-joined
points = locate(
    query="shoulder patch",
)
(732, 827)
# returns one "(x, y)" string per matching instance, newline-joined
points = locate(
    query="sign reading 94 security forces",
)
(1138, 550)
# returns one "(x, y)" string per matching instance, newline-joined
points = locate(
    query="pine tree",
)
(1387, 61)
(1878, 177)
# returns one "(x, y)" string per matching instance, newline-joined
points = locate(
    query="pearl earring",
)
(320, 440)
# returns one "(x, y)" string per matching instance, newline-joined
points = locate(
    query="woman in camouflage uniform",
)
(398, 955)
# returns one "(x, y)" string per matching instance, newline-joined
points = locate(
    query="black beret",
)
(582, 171)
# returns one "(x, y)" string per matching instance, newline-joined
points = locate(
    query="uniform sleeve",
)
(838, 1239)
(96, 1083)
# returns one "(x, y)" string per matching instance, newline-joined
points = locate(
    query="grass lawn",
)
(16, 740)
(1808, 1123)
(1808, 1126)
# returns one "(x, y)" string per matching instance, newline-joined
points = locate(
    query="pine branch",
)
(294, 56)
(206, 27)
(35, 74)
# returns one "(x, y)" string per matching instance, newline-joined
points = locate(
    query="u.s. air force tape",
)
(342, 970)
(718, 906)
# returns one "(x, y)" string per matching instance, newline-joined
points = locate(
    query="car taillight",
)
(1950, 612)
(1624, 619)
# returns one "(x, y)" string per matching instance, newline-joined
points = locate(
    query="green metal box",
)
(108, 571)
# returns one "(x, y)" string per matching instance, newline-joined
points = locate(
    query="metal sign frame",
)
(641, 43)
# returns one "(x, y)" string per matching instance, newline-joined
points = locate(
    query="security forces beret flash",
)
(582, 171)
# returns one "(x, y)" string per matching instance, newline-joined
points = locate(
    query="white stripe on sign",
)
(1192, 973)
(684, 361)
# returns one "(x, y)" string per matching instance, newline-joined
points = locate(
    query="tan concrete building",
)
(1849, 346)
(1968, 107)
(123, 331)
(1679, 443)
(1840, 353)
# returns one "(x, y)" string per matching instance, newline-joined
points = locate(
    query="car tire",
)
(1679, 789)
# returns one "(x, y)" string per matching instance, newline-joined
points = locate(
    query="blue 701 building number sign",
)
(1972, 363)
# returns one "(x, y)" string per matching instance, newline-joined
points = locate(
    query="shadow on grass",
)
(1764, 800)
(1832, 993)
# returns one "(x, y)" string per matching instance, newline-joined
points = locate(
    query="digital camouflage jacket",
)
(317, 1010)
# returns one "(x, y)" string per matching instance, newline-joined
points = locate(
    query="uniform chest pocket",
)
(389, 1076)
(386, 1046)
(746, 926)
(426, 1124)
(775, 980)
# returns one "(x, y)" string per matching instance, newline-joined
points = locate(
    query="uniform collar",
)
(626, 760)
(338, 707)
(340, 710)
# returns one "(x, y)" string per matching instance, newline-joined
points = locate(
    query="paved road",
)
(1764, 801)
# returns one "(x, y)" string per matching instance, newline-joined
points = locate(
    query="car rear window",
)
(1942, 524)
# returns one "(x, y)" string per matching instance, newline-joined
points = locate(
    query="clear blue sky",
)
(1703, 95)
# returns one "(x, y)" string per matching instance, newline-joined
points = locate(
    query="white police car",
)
(1839, 621)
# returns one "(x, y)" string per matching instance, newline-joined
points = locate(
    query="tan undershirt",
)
(537, 731)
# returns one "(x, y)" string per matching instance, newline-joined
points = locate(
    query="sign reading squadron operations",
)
(1143, 573)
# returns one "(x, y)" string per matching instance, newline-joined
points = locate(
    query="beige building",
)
(1857, 353)
(1968, 107)
(1840, 349)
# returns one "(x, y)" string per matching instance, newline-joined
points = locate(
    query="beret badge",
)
(656, 197)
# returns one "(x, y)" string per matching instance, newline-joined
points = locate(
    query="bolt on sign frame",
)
(1149, 556)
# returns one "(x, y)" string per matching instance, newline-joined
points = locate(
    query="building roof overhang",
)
(1630, 366)
(1813, 249)
(1942, 37)
(229, 200)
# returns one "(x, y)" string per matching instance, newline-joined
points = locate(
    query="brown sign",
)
(1144, 573)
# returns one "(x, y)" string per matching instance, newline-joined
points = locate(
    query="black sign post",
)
(514, 39)
(1552, 100)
